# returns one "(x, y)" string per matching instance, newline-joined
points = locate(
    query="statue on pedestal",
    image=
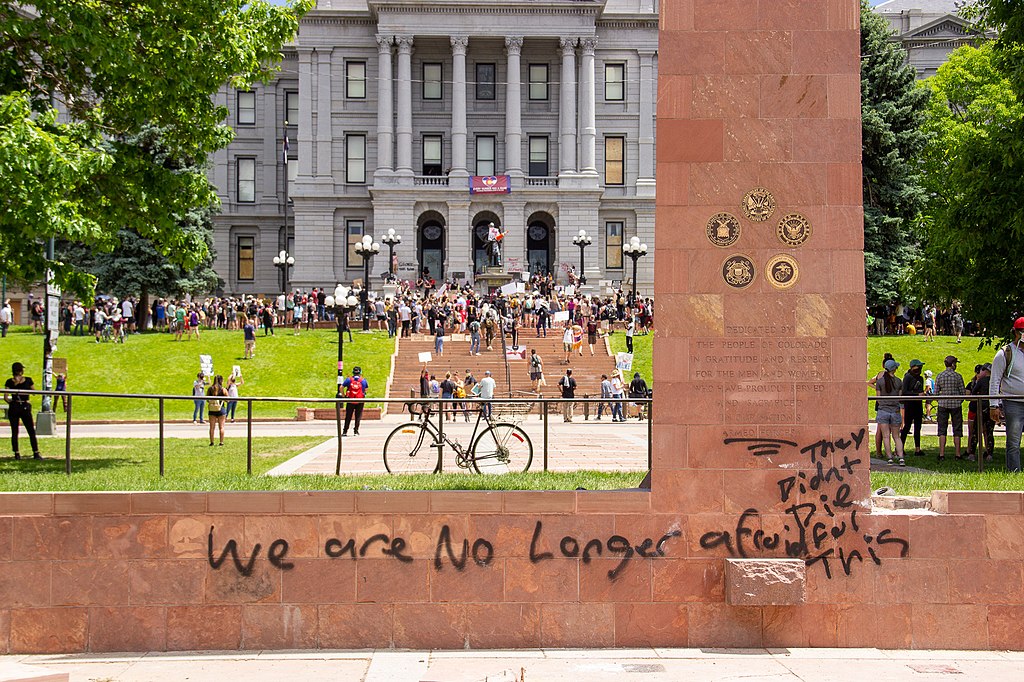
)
(495, 235)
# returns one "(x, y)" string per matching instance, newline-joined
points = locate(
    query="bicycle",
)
(417, 447)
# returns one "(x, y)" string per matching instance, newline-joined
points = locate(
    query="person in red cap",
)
(1008, 380)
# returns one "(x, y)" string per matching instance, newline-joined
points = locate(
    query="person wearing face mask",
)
(1008, 380)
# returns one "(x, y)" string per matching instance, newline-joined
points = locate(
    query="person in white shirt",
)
(1008, 380)
(6, 316)
(128, 314)
(485, 391)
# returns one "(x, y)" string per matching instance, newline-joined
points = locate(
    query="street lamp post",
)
(391, 240)
(635, 250)
(367, 248)
(282, 262)
(341, 304)
(582, 240)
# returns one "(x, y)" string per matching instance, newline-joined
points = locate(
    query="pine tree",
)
(892, 110)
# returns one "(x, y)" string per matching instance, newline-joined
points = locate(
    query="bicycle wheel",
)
(410, 449)
(502, 448)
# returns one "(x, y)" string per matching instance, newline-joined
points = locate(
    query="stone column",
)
(513, 107)
(404, 127)
(323, 114)
(459, 45)
(305, 131)
(645, 183)
(567, 108)
(588, 164)
(458, 255)
(385, 110)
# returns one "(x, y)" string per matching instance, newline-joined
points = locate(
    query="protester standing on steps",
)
(536, 371)
(474, 337)
(1008, 380)
(568, 386)
(354, 386)
(216, 413)
(567, 342)
(19, 409)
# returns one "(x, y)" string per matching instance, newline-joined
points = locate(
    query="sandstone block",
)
(765, 582)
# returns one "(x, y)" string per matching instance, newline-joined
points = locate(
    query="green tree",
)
(892, 112)
(971, 250)
(112, 69)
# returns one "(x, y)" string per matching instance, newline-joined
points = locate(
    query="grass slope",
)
(285, 365)
(642, 355)
(931, 353)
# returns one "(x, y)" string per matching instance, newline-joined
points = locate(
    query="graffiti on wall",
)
(822, 525)
(448, 551)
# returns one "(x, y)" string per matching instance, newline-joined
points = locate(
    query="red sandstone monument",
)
(758, 529)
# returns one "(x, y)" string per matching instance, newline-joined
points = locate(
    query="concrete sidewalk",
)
(597, 665)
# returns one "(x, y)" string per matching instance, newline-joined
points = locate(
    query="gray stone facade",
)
(377, 88)
(928, 30)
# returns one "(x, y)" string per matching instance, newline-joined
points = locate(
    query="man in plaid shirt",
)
(949, 382)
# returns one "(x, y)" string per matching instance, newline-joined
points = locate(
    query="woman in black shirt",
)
(20, 409)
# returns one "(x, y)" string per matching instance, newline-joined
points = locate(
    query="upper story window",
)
(355, 80)
(486, 74)
(432, 80)
(615, 82)
(246, 114)
(432, 154)
(538, 82)
(245, 180)
(355, 159)
(485, 147)
(614, 160)
(538, 156)
(291, 108)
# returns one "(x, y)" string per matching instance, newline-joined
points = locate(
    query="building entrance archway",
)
(540, 243)
(481, 223)
(430, 249)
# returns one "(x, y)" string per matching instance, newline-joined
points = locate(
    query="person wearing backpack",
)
(536, 371)
(568, 386)
(354, 387)
(1008, 380)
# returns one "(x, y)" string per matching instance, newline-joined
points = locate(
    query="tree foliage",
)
(973, 227)
(892, 111)
(114, 68)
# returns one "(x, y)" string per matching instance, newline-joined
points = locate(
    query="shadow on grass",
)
(54, 465)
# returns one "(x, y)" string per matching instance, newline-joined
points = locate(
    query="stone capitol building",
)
(435, 118)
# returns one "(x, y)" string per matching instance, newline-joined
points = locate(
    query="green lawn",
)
(950, 474)
(191, 464)
(285, 365)
(642, 352)
(931, 353)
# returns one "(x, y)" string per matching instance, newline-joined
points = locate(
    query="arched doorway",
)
(540, 240)
(480, 225)
(430, 247)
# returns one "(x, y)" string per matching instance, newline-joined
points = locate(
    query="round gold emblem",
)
(782, 271)
(758, 205)
(723, 229)
(793, 229)
(738, 271)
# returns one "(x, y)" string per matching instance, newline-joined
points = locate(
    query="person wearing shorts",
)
(216, 414)
(949, 382)
(888, 417)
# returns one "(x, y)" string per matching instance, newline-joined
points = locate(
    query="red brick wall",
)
(760, 448)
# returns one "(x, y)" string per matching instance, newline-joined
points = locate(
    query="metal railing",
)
(979, 418)
(438, 407)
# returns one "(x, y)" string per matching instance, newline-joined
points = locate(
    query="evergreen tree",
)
(892, 110)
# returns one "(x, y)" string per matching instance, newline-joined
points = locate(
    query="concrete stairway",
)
(586, 370)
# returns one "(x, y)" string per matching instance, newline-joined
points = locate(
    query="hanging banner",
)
(490, 184)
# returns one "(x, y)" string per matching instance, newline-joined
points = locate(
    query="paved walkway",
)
(598, 665)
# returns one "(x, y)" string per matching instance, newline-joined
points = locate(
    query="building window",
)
(539, 157)
(485, 78)
(432, 154)
(246, 180)
(353, 234)
(613, 245)
(291, 108)
(615, 82)
(293, 173)
(614, 160)
(246, 258)
(485, 146)
(246, 108)
(538, 82)
(355, 159)
(432, 74)
(355, 80)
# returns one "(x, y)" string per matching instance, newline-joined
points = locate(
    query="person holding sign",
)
(494, 239)
(354, 387)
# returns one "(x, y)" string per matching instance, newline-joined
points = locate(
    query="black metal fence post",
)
(337, 423)
(440, 437)
(545, 414)
(248, 437)
(67, 436)
(161, 431)
(650, 435)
